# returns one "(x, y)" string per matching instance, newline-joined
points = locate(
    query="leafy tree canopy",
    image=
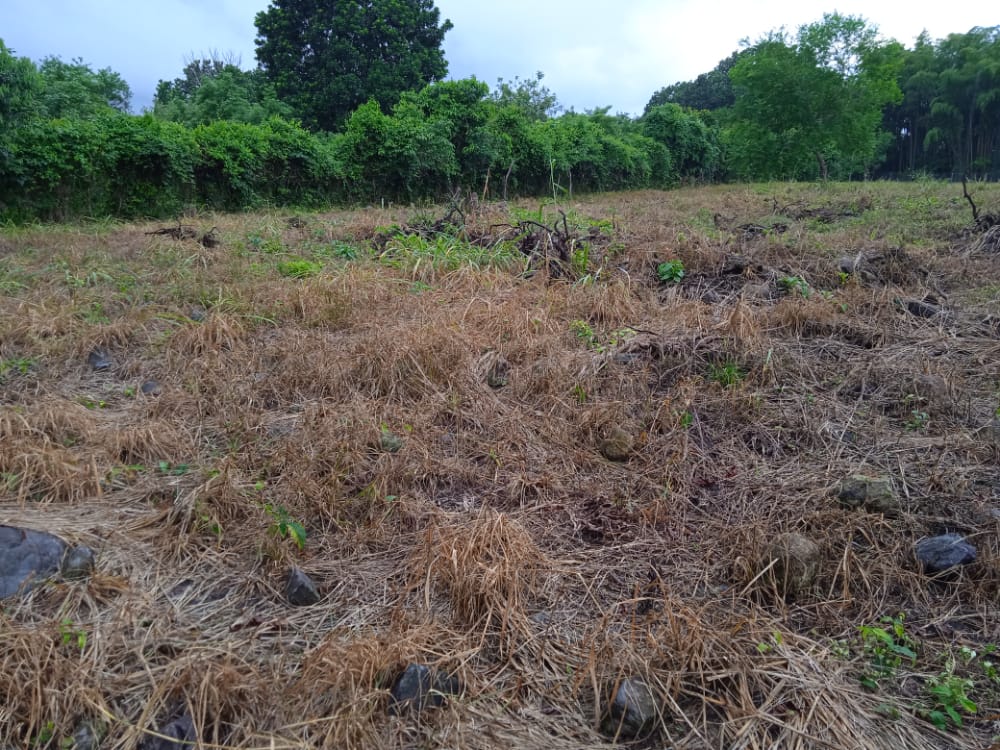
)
(19, 87)
(709, 91)
(75, 90)
(328, 58)
(816, 97)
(217, 89)
(529, 95)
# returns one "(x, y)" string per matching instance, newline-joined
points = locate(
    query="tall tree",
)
(327, 57)
(818, 97)
(712, 90)
(75, 90)
(19, 88)
(217, 89)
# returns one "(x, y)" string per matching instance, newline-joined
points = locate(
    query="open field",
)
(539, 476)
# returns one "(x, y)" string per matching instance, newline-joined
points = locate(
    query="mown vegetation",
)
(834, 100)
(541, 450)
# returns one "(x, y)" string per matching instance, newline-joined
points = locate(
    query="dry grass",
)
(439, 434)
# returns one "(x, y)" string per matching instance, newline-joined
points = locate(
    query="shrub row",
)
(447, 137)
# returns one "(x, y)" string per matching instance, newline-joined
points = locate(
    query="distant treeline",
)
(834, 101)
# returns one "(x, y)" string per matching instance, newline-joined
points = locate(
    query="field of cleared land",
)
(676, 448)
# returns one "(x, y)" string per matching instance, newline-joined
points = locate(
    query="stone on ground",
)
(939, 553)
(633, 710)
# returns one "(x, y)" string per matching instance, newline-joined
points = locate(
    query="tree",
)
(711, 91)
(217, 89)
(20, 85)
(535, 100)
(327, 58)
(75, 90)
(818, 97)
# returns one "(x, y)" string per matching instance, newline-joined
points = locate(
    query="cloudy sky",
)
(594, 53)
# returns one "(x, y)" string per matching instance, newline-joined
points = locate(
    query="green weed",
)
(299, 268)
(886, 647)
(671, 271)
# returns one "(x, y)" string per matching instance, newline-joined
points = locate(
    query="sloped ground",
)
(438, 421)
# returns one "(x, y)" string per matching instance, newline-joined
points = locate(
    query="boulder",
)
(796, 562)
(940, 553)
(874, 494)
(632, 710)
(300, 589)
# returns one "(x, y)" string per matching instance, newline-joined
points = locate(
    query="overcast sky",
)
(593, 53)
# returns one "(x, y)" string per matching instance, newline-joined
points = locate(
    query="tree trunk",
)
(823, 173)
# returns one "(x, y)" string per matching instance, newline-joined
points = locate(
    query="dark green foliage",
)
(74, 90)
(19, 88)
(109, 165)
(119, 165)
(326, 59)
(817, 98)
(692, 144)
(214, 90)
(709, 91)
(949, 118)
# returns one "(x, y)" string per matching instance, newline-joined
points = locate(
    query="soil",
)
(499, 537)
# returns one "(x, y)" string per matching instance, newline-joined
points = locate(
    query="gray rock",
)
(27, 557)
(846, 264)
(198, 313)
(181, 734)
(99, 359)
(921, 308)
(85, 738)
(939, 553)
(796, 563)
(420, 687)
(151, 388)
(735, 264)
(617, 445)
(78, 562)
(632, 711)
(300, 589)
(874, 494)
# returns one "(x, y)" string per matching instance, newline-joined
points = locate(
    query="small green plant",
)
(728, 374)
(843, 278)
(795, 284)
(70, 635)
(580, 259)
(92, 403)
(585, 332)
(15, 365)
(9, 480)
(299, 268)
(285, 526)
(918, 420)
(174, 470)
(580, 394)
(776, 640)
(886, 646)
(950, 694)
(671, 271)
(687, 419)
